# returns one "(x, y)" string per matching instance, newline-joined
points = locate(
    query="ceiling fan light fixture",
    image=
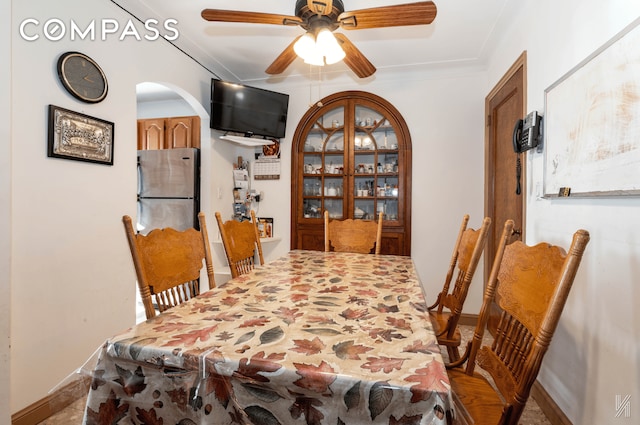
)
(314, 59)
(306, 48)
(318, 50)
(328, 46)
(304, 45)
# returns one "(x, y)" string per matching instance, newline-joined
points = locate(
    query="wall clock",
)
(82, 77)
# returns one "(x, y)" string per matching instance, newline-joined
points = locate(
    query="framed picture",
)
(76, 136)
(265, 225)
(272, 150)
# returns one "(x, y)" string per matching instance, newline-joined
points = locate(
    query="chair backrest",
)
(168, 264)
(241, 240)
(465, 258)
(530, 284)
(350, 235)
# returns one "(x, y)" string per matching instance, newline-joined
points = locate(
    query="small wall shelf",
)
(247, 141)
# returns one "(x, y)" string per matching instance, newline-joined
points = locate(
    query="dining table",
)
(310, 338)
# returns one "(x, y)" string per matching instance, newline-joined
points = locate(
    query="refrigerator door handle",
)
(139, 178)
(138, 225)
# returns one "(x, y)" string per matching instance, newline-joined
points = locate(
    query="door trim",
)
(521, 62)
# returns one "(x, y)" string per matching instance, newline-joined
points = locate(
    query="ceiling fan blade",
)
(354, 58)
(320, 7)
(421, 13)
(219, 15)
(285, 59)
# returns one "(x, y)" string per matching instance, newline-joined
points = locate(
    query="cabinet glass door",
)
(376, 183)
(323, 181)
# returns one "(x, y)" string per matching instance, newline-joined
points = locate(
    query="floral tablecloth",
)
(310, 338)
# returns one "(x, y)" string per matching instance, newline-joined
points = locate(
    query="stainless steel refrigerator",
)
(168, 189)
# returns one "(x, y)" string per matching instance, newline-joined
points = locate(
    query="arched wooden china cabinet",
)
(351, 156)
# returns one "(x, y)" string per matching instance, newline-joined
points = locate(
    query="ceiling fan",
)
(321, 17)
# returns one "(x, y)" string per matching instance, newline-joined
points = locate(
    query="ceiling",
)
(459, 36)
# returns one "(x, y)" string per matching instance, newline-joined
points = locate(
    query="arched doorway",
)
(157, 100)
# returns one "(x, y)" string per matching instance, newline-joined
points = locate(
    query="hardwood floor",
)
(73, 414)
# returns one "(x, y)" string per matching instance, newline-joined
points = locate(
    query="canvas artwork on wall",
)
(592, 123)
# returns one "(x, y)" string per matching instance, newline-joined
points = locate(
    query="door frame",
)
(489, 173)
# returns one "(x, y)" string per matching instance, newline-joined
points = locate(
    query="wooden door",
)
(151, 134)
(504, 106)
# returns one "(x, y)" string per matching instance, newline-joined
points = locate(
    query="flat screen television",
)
(248, 110)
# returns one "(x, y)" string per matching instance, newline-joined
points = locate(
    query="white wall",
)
(5, 208)
(72, 278)
(165, 108)
(594, 354)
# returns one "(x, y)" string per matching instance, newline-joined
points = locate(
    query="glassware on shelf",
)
(391, 212)
(328, 169)
(311, 208)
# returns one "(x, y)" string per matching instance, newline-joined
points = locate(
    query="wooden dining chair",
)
(241, 241)
(445, 312)
(168, 264)
(351, 235)
(530, 285)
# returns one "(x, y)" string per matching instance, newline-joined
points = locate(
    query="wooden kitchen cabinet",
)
(151, 134)
(351, 157)
(169, 133)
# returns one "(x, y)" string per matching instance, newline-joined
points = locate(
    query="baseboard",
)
(548, 406)
(52, 404)
(468, 319)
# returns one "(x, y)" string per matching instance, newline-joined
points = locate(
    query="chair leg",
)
(453, 352)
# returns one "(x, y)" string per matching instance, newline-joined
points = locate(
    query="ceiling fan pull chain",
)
(319, 103)
(310, 90)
